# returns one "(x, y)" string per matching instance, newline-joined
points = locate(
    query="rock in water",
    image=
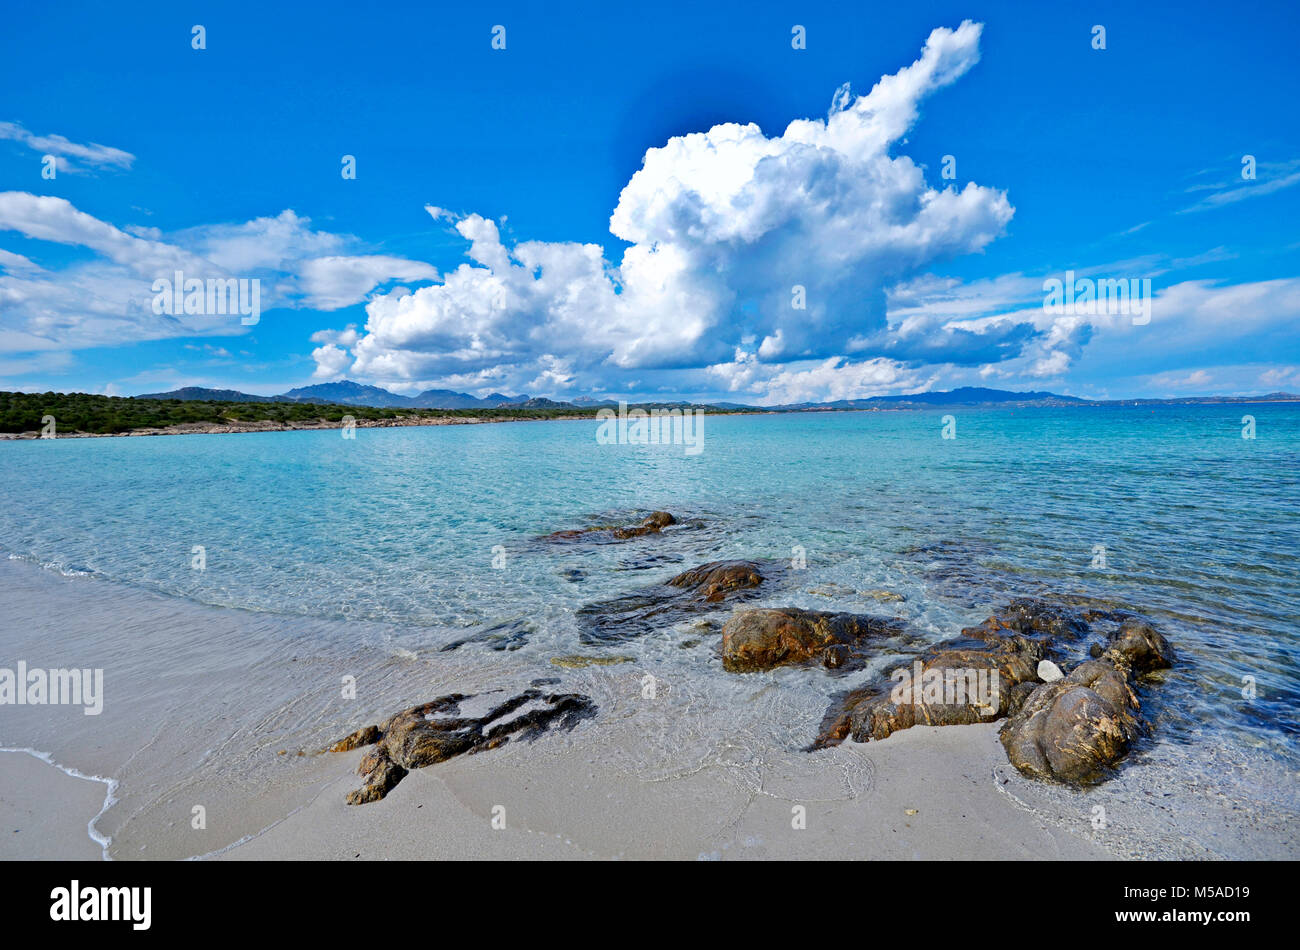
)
(760, 639)
(653, 523)
(430, 733)
(1071, 728)
(715, 580)
(1074, 728)
(1141, 646)
(702, 588)
(577, 661)
(953, 684)
(508, 635)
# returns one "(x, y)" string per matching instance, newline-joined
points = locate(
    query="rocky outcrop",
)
(433, 732)
(764, 638)
(962, 681)
(1070, 729)
(700, 589)
(1075, 728)
(653, 523)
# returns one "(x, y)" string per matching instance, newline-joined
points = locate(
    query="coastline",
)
(237, 427)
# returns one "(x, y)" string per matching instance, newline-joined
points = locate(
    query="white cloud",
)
(1272, 177)
(47, 218)
(17, 264)
(340, 281)
(69, 156)
(722, 225)
(331, 361)
(1198, 379)
(1280, 377)
(828, 380)
(108, 299)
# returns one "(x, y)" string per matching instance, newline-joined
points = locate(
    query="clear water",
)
(365, 553)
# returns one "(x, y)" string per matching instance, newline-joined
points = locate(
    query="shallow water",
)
(364, 557)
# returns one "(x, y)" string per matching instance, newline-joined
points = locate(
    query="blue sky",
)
(508, 229)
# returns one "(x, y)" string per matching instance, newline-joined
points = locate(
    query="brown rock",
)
(1070, 729)
(1141, 646)
(576, 661)
(430, 733)
(356, 740)
(953, 684)
(653, 523)
(715, 580)
(1074, 729)
(764, 638)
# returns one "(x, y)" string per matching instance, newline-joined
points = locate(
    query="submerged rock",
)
(680, 598)
(964, 570)
(653, 523)
(715, 580)
(432, 732)
(764, 638)
(886, 596)
(578, 661)
(832, 589)
(508, 635)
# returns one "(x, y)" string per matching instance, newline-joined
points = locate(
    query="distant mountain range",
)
(348, 393)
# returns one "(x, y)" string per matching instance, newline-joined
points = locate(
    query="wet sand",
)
(561, 807)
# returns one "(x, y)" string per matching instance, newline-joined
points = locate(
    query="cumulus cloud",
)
(789, 240)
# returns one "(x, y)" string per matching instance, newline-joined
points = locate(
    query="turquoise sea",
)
(380, 550)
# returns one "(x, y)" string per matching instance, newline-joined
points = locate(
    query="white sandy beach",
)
(932, 795)
(211, 707)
